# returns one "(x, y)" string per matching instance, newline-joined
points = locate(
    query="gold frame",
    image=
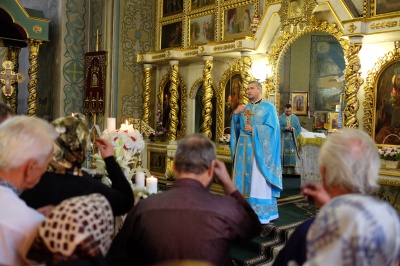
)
(182, 2)
(283, 43)
(171, 24)
(293, 95)
(182, 119)
(198, 16)
(225, 9)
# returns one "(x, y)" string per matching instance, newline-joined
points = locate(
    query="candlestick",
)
(111, 122)
(139, 179)
(151, 184)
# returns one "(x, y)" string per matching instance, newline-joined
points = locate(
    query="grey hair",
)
(258, 84)
(24, 138)
(351, 160)
(194, 154)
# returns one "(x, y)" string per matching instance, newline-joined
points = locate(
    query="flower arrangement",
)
(127, 144)
(389, 153)
(160, 132)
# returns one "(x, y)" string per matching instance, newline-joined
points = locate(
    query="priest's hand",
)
(315, 192)
(106, 148)
(240, 109)
(223, 177)
(248, 128)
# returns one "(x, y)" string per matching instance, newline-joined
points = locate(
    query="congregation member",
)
(352, 227)
(65, 177)
(5, 112)
(77, 232)
(187, 222)
(256, 152)
(290, 128)
(25, 151)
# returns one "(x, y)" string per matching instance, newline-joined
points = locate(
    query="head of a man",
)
(288, 109)
(348, 161)
(5, 112)
(195, 156)
(254, 91)
(26, 149)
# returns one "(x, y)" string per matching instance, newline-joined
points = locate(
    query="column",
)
(13, 56)
(246, 76)
(33, 77)
(173, 100)
(353, 81)
(146, 93)
(207, 96)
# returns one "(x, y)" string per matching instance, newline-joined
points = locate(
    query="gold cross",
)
(74, 71)
(248, 115)
(9, 77)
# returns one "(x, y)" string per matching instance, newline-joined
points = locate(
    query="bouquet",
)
(127, 144)
(389, 153)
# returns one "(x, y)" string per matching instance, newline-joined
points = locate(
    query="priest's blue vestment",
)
(288, 142)
(257, 171)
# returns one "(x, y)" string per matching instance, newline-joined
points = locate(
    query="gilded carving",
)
(33, 76)
(353, 83)
(296, 14)
(38, 29)
(208, 93)
(352, 27)
(173, 103)
(224, 47)
(146, 93)
(246, 68)
(13, 56)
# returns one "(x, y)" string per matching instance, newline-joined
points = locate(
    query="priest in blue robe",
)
(255, 150)
(290, 128)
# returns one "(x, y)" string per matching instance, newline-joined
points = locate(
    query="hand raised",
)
(106, 148)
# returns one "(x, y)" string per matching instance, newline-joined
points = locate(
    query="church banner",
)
(95, 78)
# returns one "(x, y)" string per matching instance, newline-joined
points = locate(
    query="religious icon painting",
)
(171, 35)
(320, 119)
(195, 4)
(299, 101)
(237, 22)
(386, 6)
(172, 7)
(202, 29)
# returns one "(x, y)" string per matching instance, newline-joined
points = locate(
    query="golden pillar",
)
(33, 77)
(146, 93)
(207, 96)
(173, 100)
(13, 56)
(353, 81)
(246, 76)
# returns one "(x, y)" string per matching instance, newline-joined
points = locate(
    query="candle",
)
(126, 126)
(151, 184)
(111, 122)
(139, 179)
(72, 114)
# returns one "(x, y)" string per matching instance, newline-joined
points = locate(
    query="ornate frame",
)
(236, 5)
(293, 95)
(169, 24)
(283, 43)
(181, 133)
(203, 7)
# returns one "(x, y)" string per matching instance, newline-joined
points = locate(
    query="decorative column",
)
(173, 101)
(246, 76)
(13, 56)
(207, 96)
(33, 77)
(146, 93)
(353, 81)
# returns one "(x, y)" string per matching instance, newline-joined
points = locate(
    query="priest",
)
(255, 151)
(290, 128)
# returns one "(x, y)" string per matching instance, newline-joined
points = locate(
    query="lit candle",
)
(72, 114)
(229, 97)
(393, 92)
(111, 122)
(126, 126)
(139, 179)
(151, 184)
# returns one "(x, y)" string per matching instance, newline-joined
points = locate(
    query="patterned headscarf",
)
(78, 227)
(71, 145)
(352, 230)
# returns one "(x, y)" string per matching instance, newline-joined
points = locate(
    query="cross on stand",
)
(248, 114)
(9, 77)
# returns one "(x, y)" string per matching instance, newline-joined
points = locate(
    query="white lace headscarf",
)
(353, 230)
(79, 225)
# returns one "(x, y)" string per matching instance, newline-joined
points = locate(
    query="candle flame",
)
(126, 122)
(72, 114)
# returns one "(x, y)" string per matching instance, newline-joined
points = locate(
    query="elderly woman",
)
(65, 177)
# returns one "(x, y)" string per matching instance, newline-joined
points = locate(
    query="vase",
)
(391, 164)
